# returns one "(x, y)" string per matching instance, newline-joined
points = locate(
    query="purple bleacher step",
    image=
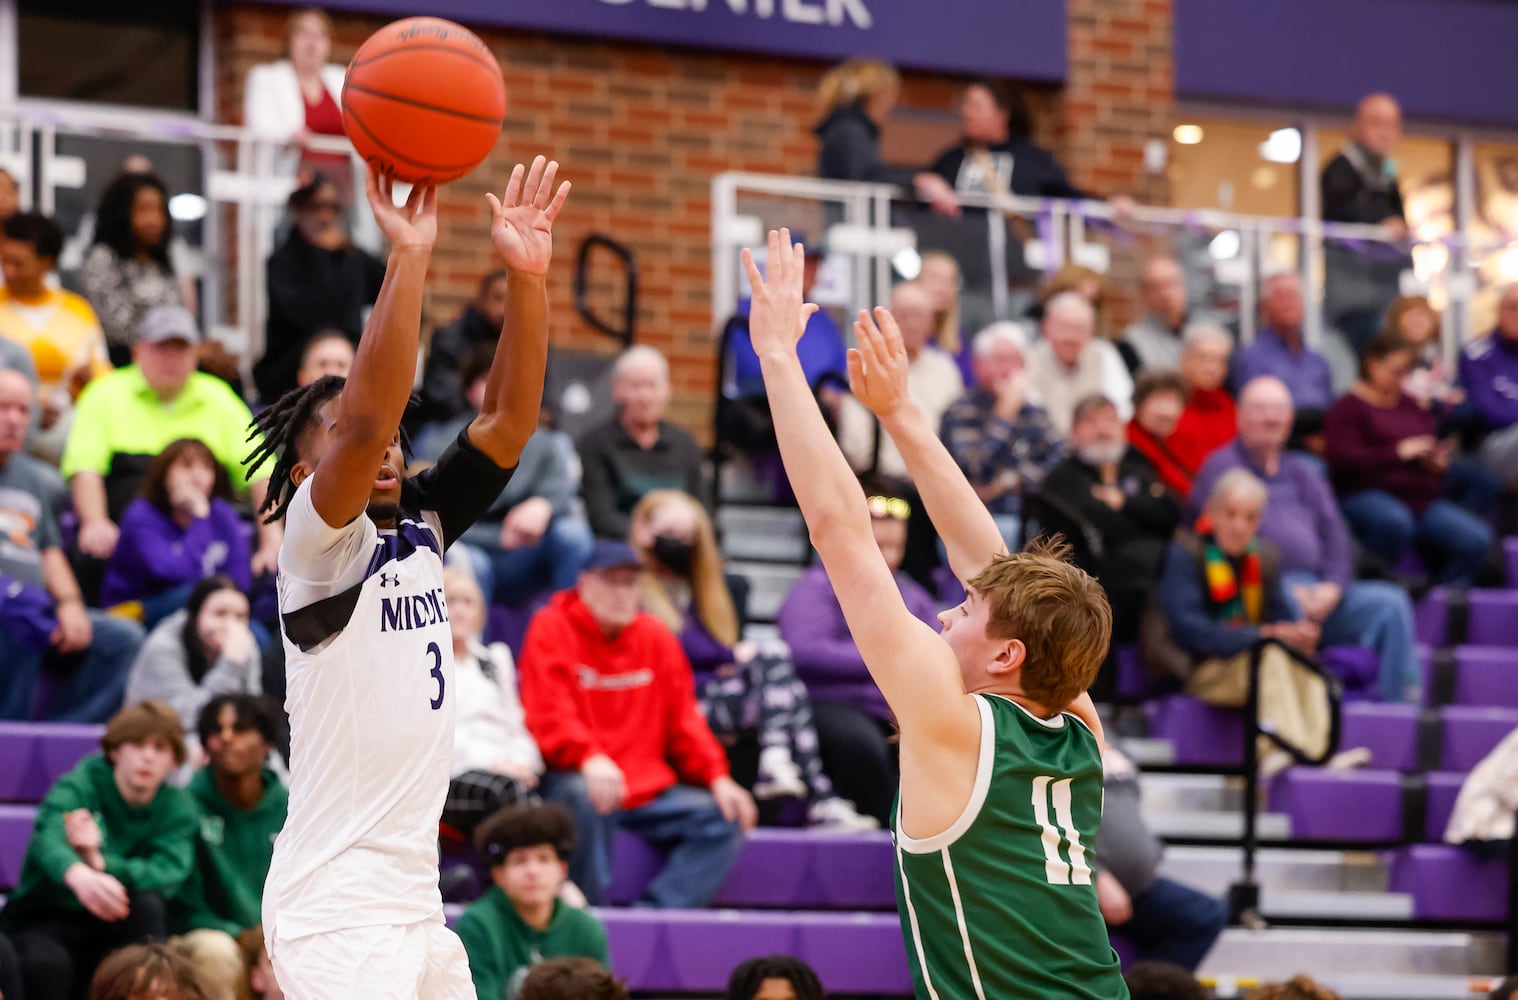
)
(36, 754)
(1470, 732)
(15, 830)
(1493, 618)
(1449, 883)
(1431, 618)
(1486, 676)
(1443, 790)
(1348, 806)
(1206, 736)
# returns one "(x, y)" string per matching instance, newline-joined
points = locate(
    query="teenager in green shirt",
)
(111, 843)
(520, 921)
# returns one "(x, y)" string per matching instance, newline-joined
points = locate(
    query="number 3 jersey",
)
(1003, 904)
(369, 675)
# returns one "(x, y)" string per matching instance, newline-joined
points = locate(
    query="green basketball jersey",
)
(1002, 905)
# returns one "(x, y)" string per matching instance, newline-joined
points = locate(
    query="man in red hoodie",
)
(610, 699)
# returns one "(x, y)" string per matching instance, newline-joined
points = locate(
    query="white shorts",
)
(422, 961)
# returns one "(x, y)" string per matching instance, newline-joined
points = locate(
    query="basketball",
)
(424, 99)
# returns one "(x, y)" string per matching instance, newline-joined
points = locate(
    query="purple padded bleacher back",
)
(1443, 790)
(634, 865)
(864, 951)
(1200, 733)
(635, 939)
(36, 754)
(1449, 883)
(1486, 676)
(1493, 618)
(1348, 806)
(1355, 666)
(1132, 683)
(1431, 618)
(772, 871)
(15, 830)
(853, 872)
(1470, 734)
(702, 951)
(1389, 732)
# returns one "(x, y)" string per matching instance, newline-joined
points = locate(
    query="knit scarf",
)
(1236, 601)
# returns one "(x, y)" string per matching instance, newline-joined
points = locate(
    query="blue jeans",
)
(515, 576)
(1387, 526)
(1377, 615)
(1175, 923)
(685, 821)
(90, 684)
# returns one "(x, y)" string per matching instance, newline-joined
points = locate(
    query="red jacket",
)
(1208, 422)
(632, 698)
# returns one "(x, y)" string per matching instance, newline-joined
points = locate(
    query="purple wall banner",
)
(1444, 60)
(1024, 39)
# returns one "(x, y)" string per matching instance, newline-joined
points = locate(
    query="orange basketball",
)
(424, 99)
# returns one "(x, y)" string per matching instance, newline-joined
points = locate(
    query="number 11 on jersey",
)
(1057, 870)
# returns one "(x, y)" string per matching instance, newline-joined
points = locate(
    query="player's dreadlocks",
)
(281, 426)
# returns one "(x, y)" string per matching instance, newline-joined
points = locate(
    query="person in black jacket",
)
(455, 344)
(856, 97)
(317, 280)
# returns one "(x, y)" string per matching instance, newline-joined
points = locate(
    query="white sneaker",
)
(837, 815)
(779, 777)
(1346, 760)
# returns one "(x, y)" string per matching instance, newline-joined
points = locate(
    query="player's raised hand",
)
(412, 226)
(521, 220)
(777, 315)
(878, 366)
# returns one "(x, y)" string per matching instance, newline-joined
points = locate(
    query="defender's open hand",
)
(777, 315)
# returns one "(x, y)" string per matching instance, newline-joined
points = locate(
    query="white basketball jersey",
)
(369, 662)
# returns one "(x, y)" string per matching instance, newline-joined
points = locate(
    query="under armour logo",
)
(390, 579)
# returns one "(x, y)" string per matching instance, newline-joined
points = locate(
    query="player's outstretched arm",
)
(521, 228)
(878, 378)
(905, 657)
(384, 367)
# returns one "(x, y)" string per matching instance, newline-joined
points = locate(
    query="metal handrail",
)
(1244, 895)
(590, 243)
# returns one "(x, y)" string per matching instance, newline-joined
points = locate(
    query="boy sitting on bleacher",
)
(521, 920)
(111, 843)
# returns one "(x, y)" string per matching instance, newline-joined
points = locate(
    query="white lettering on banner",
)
(835, 13)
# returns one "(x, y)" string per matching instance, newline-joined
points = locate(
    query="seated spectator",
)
(741, 686)
(476, 331)
(1297, 988)
(939, 274)
(58, 329)
(199, 653)
(260, 982)
(854, 726)
(111, 844)
(182, 529)
(572, 979)
(1159, 399)
(1162, 981)
(1278, 349)
(147, 972)
(242, 806)
(328, 352)
(1397, 482)
(637, 451)
(774, 977)
(1209, 420)
(1483, 819)
(1156, 340)
(1069, 363)
(612, 704)
(1166, 920)
(495, 761)
(530, 541)
(1107, 500)
(318, 280)
(1414, 319)
(1077, 278)
(44, 623)
(933, 382)
(1303, 522)
(128, 272)
(1220, 594)
(1489, 373)
(997, 432)
(521, 921)
(125, 418)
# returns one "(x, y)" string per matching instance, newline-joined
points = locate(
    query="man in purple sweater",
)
(1489, 373)
(853, 724)
(1302, 520)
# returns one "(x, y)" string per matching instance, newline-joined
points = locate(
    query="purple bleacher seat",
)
(1355, 666)
(1493, 618)
(703, 946)
(1349, 806)
(1470, 733)
(36, 754)
(635, 939)
(1389, 732)
(1443, 790)
(852, 872)
(1201, 734)
(1449, 883)
(1510, 548)
(634, 864)
(15, 830)
(1431, 618)
(858, 953)
(1133, 684)
(1486, 676)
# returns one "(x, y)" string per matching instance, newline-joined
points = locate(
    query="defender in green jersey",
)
(1001, 771)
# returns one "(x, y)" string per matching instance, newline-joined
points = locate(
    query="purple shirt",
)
(827, 661)
(1301, 518)
(156, 555)
(1489, 373)
(1304, 371)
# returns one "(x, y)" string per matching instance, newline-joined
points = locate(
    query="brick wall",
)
(642, 130)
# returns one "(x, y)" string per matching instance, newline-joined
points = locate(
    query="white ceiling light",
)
(1225, 245)
(908, 263)
(187, 208)
(1283, 146)
(1188, 134)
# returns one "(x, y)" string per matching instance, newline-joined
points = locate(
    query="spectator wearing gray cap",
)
(126, 417)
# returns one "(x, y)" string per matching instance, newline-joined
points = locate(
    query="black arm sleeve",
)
(460, 488)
